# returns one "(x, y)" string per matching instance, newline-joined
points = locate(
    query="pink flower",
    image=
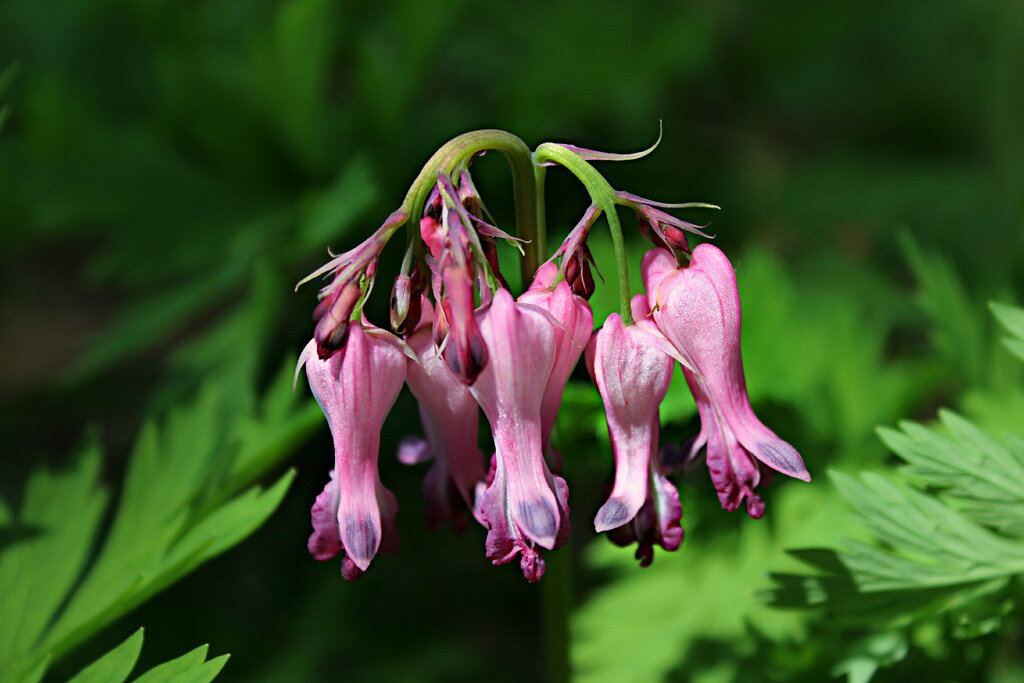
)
(355, 389)
(698, 310)
(633, 375)
(450, 417)
(524, 505)
(572, 313)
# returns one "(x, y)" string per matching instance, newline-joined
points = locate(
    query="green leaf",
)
(937, 545)
(57, 523)
(223, 528)
(946, 547)
(959, 327)
(981, 477)
(1012, 319)
(643, 624)
(285, 418)
(184, 501)
(191, 667)
(167, 469)
(114, 666)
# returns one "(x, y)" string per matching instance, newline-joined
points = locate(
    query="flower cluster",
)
(463, 344)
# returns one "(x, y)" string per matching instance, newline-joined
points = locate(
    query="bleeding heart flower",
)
(633, 375)
(698, 310)
(355, 388)
(524, 505)
(575, 323)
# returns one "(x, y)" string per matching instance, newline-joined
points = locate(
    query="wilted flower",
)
(355, 390)
(698, 310)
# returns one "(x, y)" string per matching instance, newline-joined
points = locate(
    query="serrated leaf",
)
(283, 419)
(647, 623)
(222, 529)
(168, 467)
(58, 519)
(114, 666)
(981, 477)
(178, 509)
(939, 546)
(191, 667)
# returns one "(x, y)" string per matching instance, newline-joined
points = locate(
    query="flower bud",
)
(332, 319)
(406, 302)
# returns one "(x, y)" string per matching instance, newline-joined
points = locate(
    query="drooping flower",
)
(633, 374)
(450, 418)
(698, 310)
(523, 505)
(355, 388)
(575, 323)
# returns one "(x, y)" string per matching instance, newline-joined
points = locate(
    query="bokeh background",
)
(169, 170)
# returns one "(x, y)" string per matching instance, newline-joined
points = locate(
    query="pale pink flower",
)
(524, 505)
(575, 323)
(633, 374)
(698, 310)
(355, 388)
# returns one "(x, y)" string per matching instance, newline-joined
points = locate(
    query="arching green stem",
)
(541, 229)
(524, 187)
(603, 196)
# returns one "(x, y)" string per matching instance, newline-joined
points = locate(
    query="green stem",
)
(603, 196)
(540, 220)
(556, 601)
(524, 187)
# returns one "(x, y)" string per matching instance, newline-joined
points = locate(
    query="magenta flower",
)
(523, 505)
(698, 310)
(355, 389)
(450, 417)
(576, 322)
(633, 375)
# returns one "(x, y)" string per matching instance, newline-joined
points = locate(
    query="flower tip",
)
(349, 571)
(539, 522)
(755, 506)
(361, 538)
(533, 566)
(782, 457)
(613, 514)
(304, 355)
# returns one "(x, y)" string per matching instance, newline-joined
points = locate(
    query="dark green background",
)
(168, 170)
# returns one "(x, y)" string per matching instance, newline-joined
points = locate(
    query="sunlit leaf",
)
(191, 667)
(114, 666)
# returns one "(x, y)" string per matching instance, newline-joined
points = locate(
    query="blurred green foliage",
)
(169, 170)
